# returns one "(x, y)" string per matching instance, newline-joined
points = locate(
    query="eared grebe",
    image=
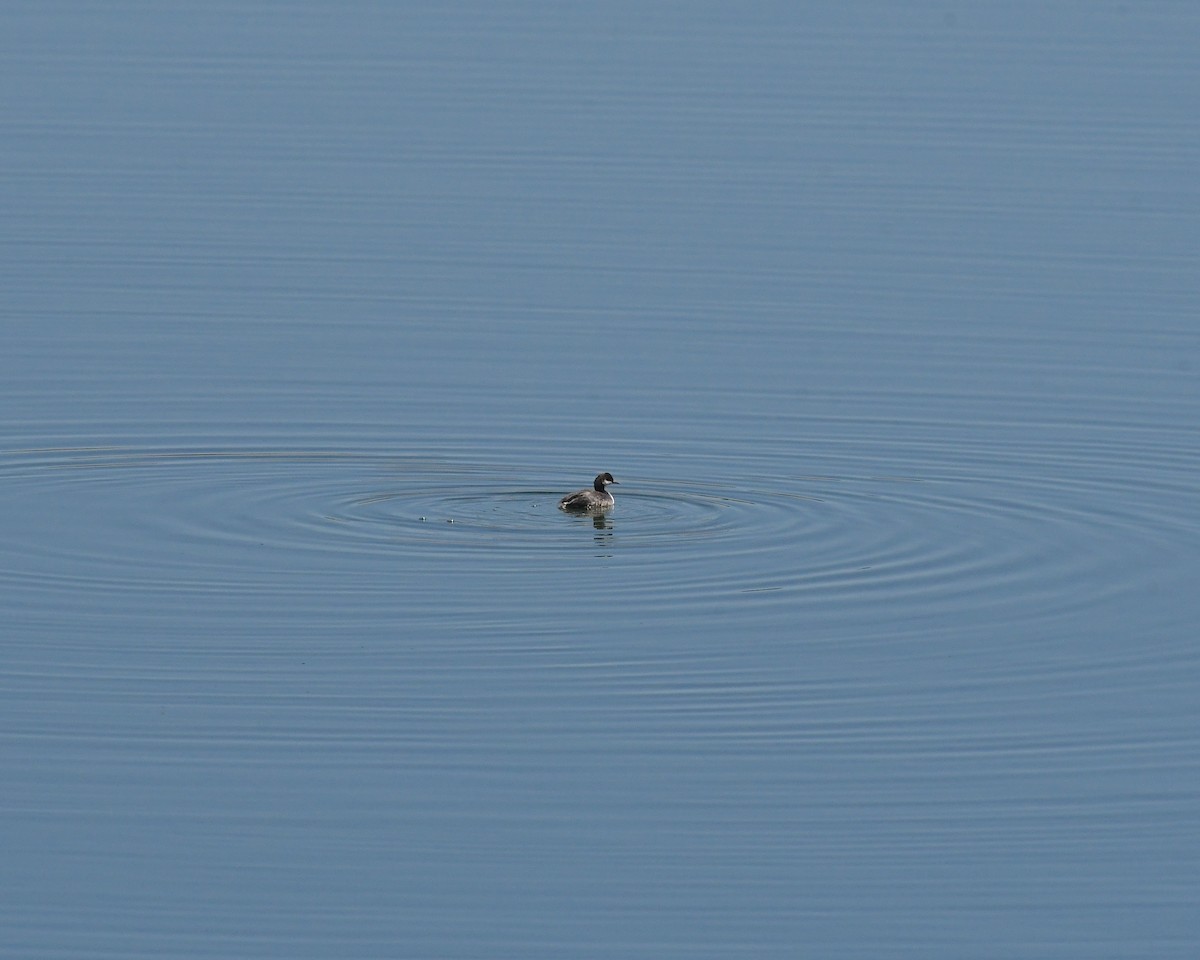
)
(589, 501)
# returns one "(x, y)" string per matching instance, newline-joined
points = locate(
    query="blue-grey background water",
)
(883, 314)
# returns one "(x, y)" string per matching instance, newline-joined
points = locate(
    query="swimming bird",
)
(590, 501)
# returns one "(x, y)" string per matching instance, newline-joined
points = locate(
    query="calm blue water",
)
(884, 317)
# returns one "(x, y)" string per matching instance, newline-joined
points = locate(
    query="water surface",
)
(884, 318)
